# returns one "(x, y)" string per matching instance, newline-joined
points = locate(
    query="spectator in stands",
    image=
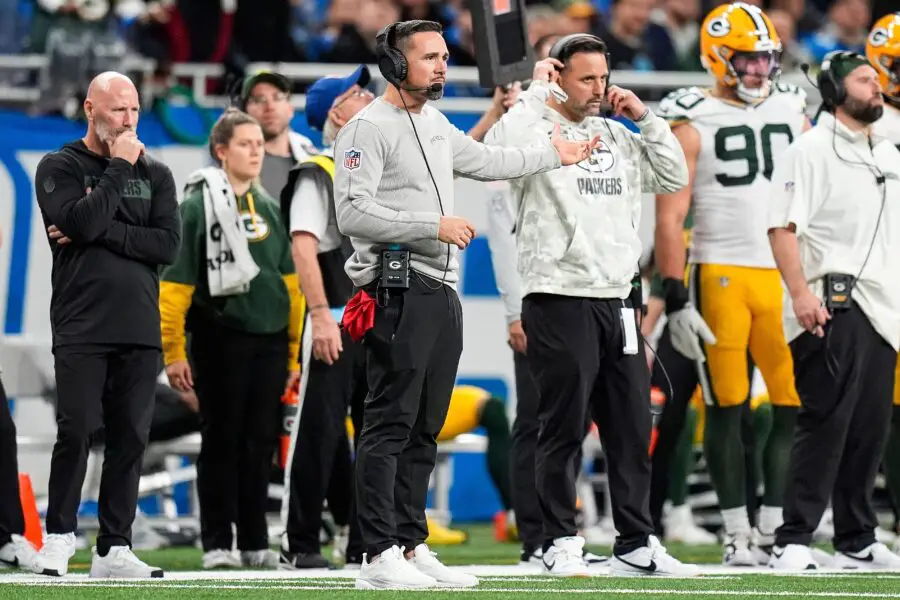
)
(235, 275)
(794, 53)
(427, 10)
(581, 16)
(356, 43)
(805, 16)
(262, 32)
(845, 29)
(338, 14)
(634, 42)
(679, 18)
(542, 21)
(177, 31)
(266, 97)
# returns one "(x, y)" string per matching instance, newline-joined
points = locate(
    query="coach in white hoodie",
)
(578, 250)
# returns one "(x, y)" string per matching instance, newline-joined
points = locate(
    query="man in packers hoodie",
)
(112, 218)
(578, 248)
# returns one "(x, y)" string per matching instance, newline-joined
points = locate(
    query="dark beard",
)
(863, 112)
(435, 94)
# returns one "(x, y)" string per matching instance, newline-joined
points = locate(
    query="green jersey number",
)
(744, 150)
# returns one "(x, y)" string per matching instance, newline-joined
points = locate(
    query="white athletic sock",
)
(770, 519)
(736, 520)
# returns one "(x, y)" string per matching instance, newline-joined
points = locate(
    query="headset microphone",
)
(433, 88)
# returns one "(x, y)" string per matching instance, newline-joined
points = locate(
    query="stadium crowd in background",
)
(643, 35)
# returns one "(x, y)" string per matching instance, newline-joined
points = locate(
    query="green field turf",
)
(185, 581)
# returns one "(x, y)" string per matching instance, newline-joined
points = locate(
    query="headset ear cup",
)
(401, 67)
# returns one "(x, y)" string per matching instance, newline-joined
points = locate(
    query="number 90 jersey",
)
(739, 144)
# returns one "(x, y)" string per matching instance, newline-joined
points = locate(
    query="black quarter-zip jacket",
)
(123, 223)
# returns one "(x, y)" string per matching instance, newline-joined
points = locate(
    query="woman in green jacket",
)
(233, 287)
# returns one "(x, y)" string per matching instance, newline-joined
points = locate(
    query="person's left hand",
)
(625, 103)
(59, 236)
(293, 380)
(570, 152)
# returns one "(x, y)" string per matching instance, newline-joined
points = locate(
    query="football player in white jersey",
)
(732, 134)
(883, 52)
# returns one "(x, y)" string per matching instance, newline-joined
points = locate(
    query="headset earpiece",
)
(391, 62)
(831, 88)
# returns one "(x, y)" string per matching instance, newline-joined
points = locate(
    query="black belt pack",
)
(837, 291)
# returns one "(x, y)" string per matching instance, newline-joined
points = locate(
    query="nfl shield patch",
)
(352, 158)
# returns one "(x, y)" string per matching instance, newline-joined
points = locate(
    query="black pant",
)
(529, 520)
(11, 519)
(575, 351)
(682, 372)
(108, 387)
(845, 382)
(321, 446)
(239, 380)
(412, 357)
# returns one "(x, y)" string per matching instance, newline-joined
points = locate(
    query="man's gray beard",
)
(863, 112)
(435, 95)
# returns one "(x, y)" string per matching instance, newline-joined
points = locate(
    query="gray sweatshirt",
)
(384, 194)
(577, 227)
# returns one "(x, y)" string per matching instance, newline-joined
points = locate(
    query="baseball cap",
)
(279, 81)
(322, 94)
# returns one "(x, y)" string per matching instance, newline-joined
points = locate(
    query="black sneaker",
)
(291, 561)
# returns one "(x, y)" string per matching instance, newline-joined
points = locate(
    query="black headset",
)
(831, 87)
(391, 62)
(559, 51)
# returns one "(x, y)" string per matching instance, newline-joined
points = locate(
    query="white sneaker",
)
(825, 530)
(221, 559)
(874, 557)
(259, 559)
(736, 551)
(565, 558)
(680, 527)
(390, 570)
(53, 558)
(822, 558)
(761, 546)
(426, 562)
(121, 563)
(18, 553)
(651, 560)
(793, 557)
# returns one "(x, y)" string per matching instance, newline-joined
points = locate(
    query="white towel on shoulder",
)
(229, 266)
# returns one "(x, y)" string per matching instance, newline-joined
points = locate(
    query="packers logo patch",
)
(352, 159)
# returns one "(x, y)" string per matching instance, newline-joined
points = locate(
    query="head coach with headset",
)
(395, 163)
(578, 253)
(834, 226)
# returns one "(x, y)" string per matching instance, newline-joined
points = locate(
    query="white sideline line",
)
(616, 591)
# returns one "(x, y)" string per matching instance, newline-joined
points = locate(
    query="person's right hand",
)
(810, 312)
(517, 339)
(686, 328)
(547, 70)
(327, 344)
(127, 146)
(456, 230)
(179, 374)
